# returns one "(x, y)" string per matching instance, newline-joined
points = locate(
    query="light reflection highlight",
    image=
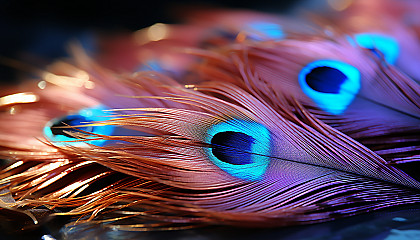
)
(25, 97)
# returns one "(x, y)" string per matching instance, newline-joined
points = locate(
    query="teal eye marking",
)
(267, 29)
(240, 148)
(331, 84)
(386, 45)
(54, 132)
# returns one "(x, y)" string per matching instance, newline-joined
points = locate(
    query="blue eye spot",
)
(266, 29)
(233, 147)
(386, 45)
(331, 84)
(58, 130)
(60, 126)
(257, 31)
(325, 79)
(240, 148)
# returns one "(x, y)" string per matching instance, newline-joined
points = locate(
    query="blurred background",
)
(36, 32)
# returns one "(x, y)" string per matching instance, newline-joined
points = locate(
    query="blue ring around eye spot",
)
(334, 103)
(260, 149)
(82, 117)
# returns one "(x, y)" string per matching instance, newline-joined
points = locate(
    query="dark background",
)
(36, 32)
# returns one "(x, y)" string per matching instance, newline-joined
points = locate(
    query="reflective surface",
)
(392, 224)
(395, 224)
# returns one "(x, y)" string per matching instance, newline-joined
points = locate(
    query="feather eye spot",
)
(325, 79)
(240, 148)
(265, 31)
(60, 126)
(381, 45)
(233, 147)
(331, 84)
(61, 130)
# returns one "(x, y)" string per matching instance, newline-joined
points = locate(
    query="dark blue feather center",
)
(325, 79)
(233, 147)
(61, 126)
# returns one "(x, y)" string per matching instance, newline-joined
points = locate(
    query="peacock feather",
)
(246, 122)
